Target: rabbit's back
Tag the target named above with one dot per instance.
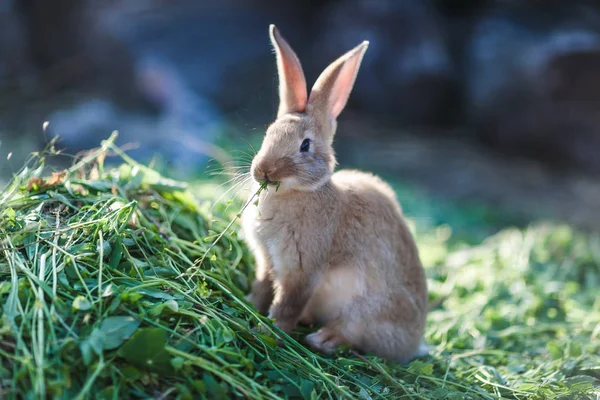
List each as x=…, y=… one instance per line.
x=374, y=238
x=362, y=183
x=375, y=287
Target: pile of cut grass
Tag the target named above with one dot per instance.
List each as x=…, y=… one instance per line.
x=118, y=283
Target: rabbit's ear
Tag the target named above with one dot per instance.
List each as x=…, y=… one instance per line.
x=331, y=91
x=292, y=84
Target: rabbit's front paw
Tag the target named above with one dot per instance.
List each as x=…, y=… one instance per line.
x=261, y=296
x=307, y=318
x=285, y=325
x=325, y=340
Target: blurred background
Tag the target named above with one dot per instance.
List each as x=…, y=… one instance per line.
x=493, y=103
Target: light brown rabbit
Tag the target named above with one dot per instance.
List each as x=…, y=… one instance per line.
x=331, y=248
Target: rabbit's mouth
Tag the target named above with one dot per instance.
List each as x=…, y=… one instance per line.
x=267, y=182
x=270, y=178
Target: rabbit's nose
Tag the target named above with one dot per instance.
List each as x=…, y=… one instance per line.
x=266, y=175
x=269, y=174
x=263, y=172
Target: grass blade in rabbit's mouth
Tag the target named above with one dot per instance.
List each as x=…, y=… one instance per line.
x=264, y=184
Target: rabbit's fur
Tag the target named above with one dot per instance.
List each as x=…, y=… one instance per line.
x=331, y=248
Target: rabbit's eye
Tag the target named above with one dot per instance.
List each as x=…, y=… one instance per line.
x=305, y=146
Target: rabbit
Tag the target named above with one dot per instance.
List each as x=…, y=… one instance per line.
x=331, y=248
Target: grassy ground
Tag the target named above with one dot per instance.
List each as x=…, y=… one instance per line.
x=119, y=283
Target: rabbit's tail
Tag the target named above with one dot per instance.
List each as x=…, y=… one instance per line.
x=422, y=350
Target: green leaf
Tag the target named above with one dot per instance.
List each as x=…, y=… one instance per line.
x=172, y=305
x=106, y=393
x=92, y=345
x=581, y=383
x=108, y=290
x=291, y=391
x=213, y=388
x=454, y=396
x=363, y=395
x=306, y=388
x=61, y=197
x=4, y=287
x=268, y=340
x=111, y=333
x=130, y=373
x=100, y=186
x=157, y=294
x=439, y=393
x=131, y=297
x=116, y=330
x=177, y=362
x=117, y=253
x=528, y=386
x=574, y=349
x=81, y=303
x=159, y=308
x=5, y=373
x=29, y=243
x=228, y=335
x=9, y=214
x=554, y=349
x=421, y=368
x=146, y=350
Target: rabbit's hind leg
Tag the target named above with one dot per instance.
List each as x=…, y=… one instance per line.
x=387, y=333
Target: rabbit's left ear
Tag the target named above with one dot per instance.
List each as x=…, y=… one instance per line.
x=292, y=84
x=330, y=93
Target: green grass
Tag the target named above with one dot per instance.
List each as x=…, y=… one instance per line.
x=120, y=283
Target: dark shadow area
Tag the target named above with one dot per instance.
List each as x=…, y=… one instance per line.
x=479, y=101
